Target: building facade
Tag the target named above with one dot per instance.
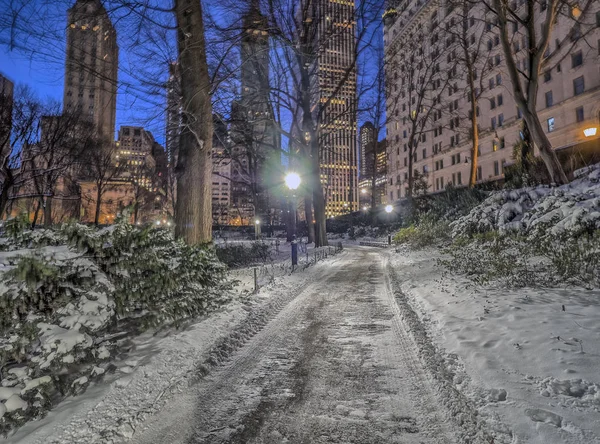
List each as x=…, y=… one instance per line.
x=568, y=99
x=337, y=106
x=91, y=66
x=134, y=154
x=255, y=150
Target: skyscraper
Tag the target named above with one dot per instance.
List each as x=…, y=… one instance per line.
x=91, y=66
x=367, y=144
x=256, y=152
x=336, y=97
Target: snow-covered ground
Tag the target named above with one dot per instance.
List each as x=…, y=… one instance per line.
x=527, y=358
x=157, y=366
x=368, y=346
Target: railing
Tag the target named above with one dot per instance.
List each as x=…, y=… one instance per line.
x=374, y=244
x=252, y=279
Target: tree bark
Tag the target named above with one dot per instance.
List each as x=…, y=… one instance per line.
x=318, y=201
x=48, y=212
x=193, y=209
x=98, y=205
x=475, y=134
x=308, y=214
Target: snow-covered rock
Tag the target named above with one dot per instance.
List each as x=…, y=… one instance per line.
x=570, y=209
x=15, y=403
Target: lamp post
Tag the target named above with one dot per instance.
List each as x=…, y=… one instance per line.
x=389, y=209
x=257, y=229
x=292, y=181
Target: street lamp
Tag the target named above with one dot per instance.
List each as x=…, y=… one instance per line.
x=292, y=181
x=389, y=209
x=256, y=228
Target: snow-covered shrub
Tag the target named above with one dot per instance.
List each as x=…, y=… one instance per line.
x=63, y=291
x=572, y=210
x=55, y=305
x=427, y=233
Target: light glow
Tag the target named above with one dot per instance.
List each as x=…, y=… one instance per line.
x=389, y=208
x=589, y=132
x=292, y=180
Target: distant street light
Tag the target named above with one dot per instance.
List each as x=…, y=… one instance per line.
x=364, y=191
x=292, y=180
x=257, y=222
x=590, y=132
x=389, y=208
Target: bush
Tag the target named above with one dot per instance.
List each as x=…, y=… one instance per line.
x=242, y=255
x=515, y=261
x=428, y=233
x=63, y=291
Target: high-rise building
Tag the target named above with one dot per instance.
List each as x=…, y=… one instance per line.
x=221, y=177
x=567, y=100
x=6, y=106
x=135, y=147
x=91, y=66
x=256, y=155
x=367, y=145
x=335, y=67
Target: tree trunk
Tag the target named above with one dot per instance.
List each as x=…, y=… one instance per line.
x=308, y=214
x=36, y=214
x=318, y=199
x=374, y=172
x=548, y=155
x=193, y=209
x=98, y=205
x=475, y=141
x=48, y=212
x=4, y=196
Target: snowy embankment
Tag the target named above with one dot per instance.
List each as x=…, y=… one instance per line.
x=531, y=356
x=153, y=368
x=570, y=210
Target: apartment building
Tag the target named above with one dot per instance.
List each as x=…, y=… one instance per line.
x=568, y=99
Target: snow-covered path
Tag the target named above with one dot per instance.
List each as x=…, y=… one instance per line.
x=336, y=365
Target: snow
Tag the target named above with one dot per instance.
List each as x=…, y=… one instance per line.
x=15, y=403
x=159, y=365
x=536, y=211
x=516, y=354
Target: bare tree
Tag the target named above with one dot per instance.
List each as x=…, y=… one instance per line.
x=415, y=61
x=526, y=32
x=101, y=166
x=467, y=30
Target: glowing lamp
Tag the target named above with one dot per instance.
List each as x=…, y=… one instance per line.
x=590, y=132
x=389, y=208
x=292, y=181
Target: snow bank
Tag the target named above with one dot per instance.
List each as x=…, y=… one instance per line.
x=570, y=209
x=516, y=354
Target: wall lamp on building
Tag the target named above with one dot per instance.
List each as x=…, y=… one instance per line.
x=590, y=132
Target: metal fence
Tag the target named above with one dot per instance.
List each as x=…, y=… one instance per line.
x=251, y=279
